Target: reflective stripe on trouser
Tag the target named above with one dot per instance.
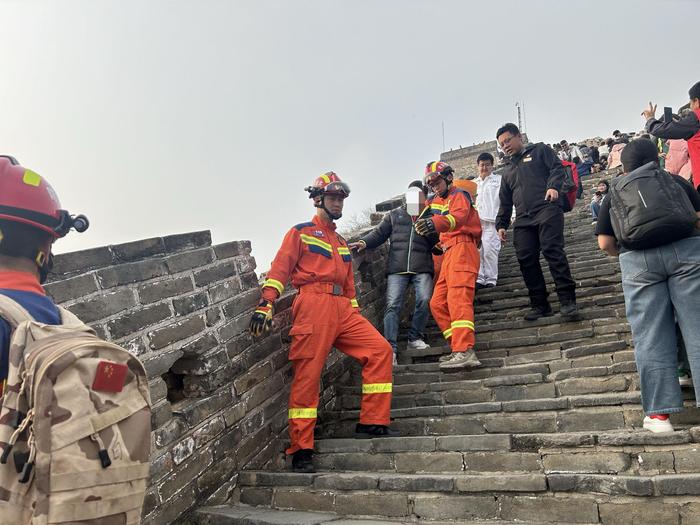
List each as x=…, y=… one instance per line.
x=452, y=303
x=322, y=321
x=490, y=248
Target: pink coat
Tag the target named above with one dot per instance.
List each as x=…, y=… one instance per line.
x=677, y=156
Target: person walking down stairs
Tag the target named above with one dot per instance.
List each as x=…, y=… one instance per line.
x=457, y=222
x=531, y=181
x=326, y=314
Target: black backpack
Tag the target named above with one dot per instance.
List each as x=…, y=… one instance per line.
x=649, y=209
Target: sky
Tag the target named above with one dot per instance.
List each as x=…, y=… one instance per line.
x=168, y=116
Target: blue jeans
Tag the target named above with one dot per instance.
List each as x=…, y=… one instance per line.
x=396, y=285
x=658, y=282
x=595, y=210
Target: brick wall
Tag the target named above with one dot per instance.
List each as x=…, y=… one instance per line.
x=219, y=396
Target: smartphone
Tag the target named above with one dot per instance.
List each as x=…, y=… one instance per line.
x=668, y=114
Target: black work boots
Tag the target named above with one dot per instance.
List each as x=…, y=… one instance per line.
x=374, y=431
x=568, y=311
x=302, y=461
x=538, y=310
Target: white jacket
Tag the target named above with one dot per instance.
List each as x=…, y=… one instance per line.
x=487, y=201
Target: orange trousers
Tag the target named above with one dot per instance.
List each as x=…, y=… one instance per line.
x=452, y=303
x=321, y=321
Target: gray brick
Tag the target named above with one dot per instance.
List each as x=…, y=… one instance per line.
x=474, y=443
x=303, y=500
x=134, y=321
x=217, y=272
x=578, y=420
x=638, y=513
x=137, y=250
x=187, y=241
x=416, y=483
x=354, y=461
x=591, y=462
x=188, y=260
x=67, y=289
x=601, y=483
x=158, y=363
x=225, y=290
x=178, y=331
x=502, y=483
x=520, y=423
x=131, y=273
x=372, y=504
x=455, y=507
x=592, y=385
x=83, y=260
x=232, y=249
x=106, y=305
x=191, y=303
x=538, y=508
x=501, y=462
x=429, y=462
x=346, y=481
x=152, y=292
x=405, y=444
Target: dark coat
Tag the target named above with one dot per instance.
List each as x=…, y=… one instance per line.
x=525, y=179
x=408, y=251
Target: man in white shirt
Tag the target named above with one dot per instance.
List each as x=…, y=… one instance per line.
x=488, y=185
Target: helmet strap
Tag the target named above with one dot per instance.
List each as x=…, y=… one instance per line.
x=321, y=203
x=448, y=183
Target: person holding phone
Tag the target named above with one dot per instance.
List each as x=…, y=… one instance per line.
x=531, y=181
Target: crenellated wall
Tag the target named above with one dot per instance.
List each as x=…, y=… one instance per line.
x=219, y=396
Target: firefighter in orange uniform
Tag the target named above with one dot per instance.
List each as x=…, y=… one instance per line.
x=457, y=222
x=325, y=314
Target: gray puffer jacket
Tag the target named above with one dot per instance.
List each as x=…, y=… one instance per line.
x=408, y=251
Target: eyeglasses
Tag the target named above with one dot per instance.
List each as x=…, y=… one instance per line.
x=506, y=141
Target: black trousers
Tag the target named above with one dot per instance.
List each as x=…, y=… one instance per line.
x=544, y=233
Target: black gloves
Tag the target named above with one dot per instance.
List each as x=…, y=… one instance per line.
x=425, y=227
x=437, y=249
x=261, y=322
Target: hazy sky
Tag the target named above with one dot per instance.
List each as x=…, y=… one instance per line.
x=156, y=117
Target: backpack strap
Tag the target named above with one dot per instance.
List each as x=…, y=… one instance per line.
x=12, y=312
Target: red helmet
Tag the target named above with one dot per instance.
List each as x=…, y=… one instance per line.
x=436, y=169
x=328, y=184
x=28, y=198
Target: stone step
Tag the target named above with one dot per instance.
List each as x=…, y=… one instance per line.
x=600, y=412
x=246, y=515
x=460, y=507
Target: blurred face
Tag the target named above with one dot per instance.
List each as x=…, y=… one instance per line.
x=602, y=188
x=695, y=104
x=485, y=168
x=509, y=143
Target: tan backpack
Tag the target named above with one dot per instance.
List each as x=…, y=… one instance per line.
x=75, y=426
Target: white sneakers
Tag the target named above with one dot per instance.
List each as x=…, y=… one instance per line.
x=418, y=344
x=657, y=425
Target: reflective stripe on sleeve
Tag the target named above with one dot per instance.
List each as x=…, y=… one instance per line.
x=376, y=388
x=274, y=283
x=452, y=221
x=302, y=413
x=447, y=333
x=354, y=303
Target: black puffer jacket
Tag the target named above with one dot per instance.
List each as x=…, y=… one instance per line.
x=525, y=179
x=408, y=252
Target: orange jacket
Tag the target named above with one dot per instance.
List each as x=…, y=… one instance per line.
x=454, y=217
x=311, y=252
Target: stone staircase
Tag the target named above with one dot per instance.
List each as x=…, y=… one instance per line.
x=547, y=431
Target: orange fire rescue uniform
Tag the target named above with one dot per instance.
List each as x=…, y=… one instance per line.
x=452, y=303
x=326, y=314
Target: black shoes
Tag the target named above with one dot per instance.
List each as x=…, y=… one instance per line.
x=302, y=461
x=537, y=311
x=569, y=312
x=374, y=431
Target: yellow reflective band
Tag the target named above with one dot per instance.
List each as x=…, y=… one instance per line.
x=354, y=303
x=376, y=388
x=326, y=178
x=31, y=179
x=452, y=221
x=343, y=251
x=302, y=413
x=274, y=283
x=447, y=333
x=308, y=239
x=439, y=207
x=463, y=323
